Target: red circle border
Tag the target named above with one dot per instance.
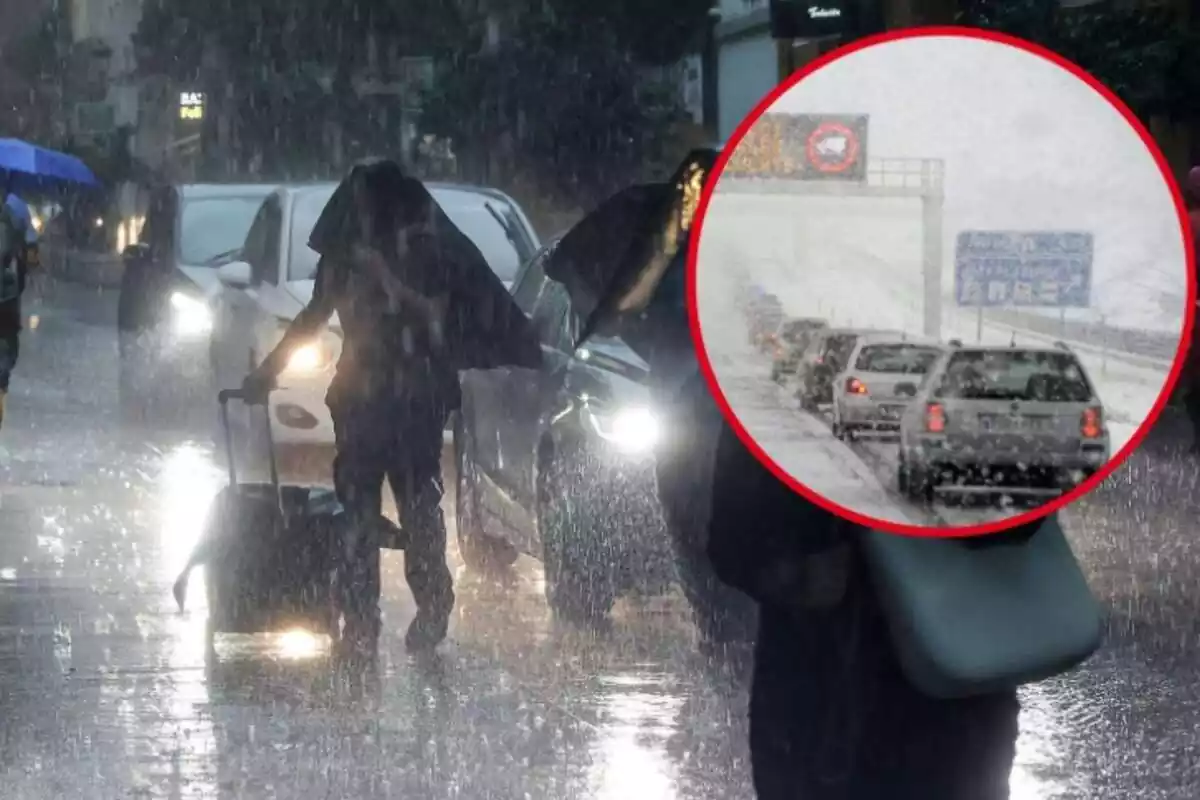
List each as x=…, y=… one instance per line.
x=706, y=368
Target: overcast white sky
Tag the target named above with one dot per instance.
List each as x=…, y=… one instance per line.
x=1026, y=144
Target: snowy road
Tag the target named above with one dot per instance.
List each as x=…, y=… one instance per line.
x=857, y=263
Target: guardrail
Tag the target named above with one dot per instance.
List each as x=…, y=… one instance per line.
x=1109, y=353
x=1152, y=345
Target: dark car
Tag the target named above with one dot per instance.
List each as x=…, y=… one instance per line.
x=558, y=463
x=764, y=316
x=790, y=342
x=825, y=357
x=163, y=312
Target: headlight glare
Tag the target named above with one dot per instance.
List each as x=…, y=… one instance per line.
x=191, y=315
x=632, y=429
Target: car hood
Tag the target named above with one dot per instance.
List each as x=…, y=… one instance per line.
x=205, y=278
x=302, y=292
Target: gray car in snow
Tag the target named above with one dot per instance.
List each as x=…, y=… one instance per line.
x=1012, y=420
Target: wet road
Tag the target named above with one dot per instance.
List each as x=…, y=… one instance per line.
x=104, y=691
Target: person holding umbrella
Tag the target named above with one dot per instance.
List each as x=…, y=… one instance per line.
x=23, y=165
x=417, y=303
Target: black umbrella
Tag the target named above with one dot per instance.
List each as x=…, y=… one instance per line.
x=587, y=257
x=486, y=327
x=647, y=250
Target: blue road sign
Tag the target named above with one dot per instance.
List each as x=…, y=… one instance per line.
x=1050, y=269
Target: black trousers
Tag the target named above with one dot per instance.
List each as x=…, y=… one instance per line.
x=10, y=349
x=402, y=443
x=826, y=728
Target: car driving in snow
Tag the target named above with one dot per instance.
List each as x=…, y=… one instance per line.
x=764, y=317
x=558, y=463
x=272, y=280
x=864, y=392
x=789, y=343
x=825, y=357
x=1016, y=420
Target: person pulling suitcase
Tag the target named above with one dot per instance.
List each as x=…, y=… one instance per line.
x=417, y=303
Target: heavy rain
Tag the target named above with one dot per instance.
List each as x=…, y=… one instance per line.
x=166, y=164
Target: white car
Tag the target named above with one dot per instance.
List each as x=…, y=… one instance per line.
x=865, y=395
x=273, y=281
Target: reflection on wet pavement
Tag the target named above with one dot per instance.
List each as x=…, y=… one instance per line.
x=106, y=691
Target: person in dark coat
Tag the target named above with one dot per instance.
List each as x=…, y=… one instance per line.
x=417, y=303
x=831, y=714
x=832, y=717
x=18, y=255
x=1191, y=372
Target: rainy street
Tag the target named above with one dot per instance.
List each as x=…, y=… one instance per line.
x=104, y=692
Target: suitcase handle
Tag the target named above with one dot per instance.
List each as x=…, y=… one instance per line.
x=223, y=398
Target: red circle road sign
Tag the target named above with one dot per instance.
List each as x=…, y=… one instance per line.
x=822, y=152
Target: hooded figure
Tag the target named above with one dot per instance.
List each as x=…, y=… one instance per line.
x=831, y=714
x=609, y=273
x=417, y=303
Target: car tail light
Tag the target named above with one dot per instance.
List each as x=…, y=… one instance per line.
x=855, y=386
x=1091, y=423
x=935, y=418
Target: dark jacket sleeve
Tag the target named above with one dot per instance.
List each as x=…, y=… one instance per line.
x=769, y=541
x=327, y=285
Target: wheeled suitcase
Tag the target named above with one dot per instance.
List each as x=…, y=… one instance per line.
x=272, y=550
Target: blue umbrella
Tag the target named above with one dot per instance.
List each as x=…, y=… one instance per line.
x=24, y=166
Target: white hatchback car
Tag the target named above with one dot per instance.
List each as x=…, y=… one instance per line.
x=273, y=281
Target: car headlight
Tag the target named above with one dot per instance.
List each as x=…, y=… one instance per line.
x=190, y=316
x=632, y=429
x=312, y=357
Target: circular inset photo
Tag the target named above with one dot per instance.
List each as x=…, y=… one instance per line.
x=941, y=282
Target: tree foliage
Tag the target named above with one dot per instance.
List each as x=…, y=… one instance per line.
x=1144, y=53
x=565, y=105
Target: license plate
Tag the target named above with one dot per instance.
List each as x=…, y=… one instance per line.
x=891, y=412
x=1005, y=424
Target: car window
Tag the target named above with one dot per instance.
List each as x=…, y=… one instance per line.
x=261, y=250
x=504, y=242
x=302, y=259
x=211, y=227
x=907, y=359
x=1034, y=375
x=837, y=349
x=529, y=283
x=160, y=222
x=550, y=315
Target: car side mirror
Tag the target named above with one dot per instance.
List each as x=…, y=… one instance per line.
x=905, y=389
x=136, y=251
x=236, y=274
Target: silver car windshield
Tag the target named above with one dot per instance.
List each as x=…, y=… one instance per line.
x=468, y=210
x=906, y=359
x=1014, y=375
x=213, y=226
